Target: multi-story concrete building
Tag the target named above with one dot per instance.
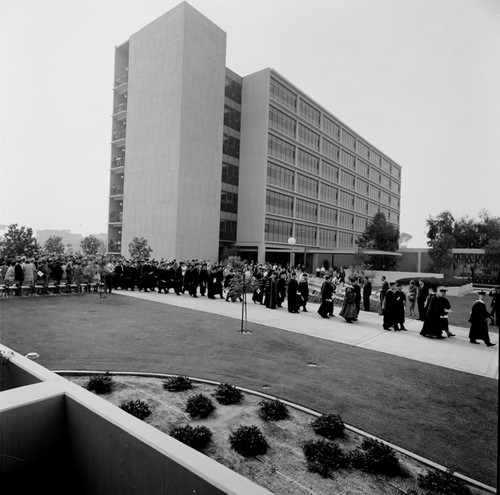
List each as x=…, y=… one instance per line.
x=203, y=158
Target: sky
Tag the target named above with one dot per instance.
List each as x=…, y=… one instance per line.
x=418, y=79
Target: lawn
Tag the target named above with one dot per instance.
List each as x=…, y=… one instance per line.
x=447, y=416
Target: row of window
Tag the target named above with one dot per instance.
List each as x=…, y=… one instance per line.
x=308, y=112
x=229, y=201
x=233, y=90
x=232, y=118
x=285, y=151
x=280, y=231
x=284, y=178
x=282, y=204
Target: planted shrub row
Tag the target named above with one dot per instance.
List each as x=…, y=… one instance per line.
x=137, y=408
x=101, y=383
x=322, y=456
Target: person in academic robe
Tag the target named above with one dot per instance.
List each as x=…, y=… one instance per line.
x=389, y=308
x=294, y=299
x=432, y=322
x=444, y=310
x=383, y=291
x=281, y=287
x=271, y=291
x=258, y=292
x=325, y=309
x=422, y=294
x=203, y=279
x=304, y=289
x=357, y=295
x=399, y=308
x=367, y=292
x=479, y=319
x=349, y=309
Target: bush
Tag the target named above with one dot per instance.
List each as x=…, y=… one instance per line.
x=199, y=405
x=273, y=410
x=323, y=457
x=329, y=426
x=100, y=384
x=375, y=457
x=197, y=438
x=137, y=408
x=248, y=441
x=441, y=282
x=228, y=394
x=177, y=383
x=439, y=483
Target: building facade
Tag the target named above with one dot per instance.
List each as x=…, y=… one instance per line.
x=203, y=158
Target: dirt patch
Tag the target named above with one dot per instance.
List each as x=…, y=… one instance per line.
x=283, y=469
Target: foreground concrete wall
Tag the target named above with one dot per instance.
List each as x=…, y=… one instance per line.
x=31, y=426
x=66, y=428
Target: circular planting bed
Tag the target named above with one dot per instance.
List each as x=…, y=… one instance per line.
x=340, y=465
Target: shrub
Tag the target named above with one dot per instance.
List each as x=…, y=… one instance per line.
x=375, y=457
x=177, y=383
x=329, y=426
x=137, y=408
x=197, y=438
x=441, y=282
x=273, y=410
x=100, y=384
x=323, y=457
x=248, y=441
x=228, y=394
x=199, y=405
x=439, y=483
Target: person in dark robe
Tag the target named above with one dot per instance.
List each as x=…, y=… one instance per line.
x=325, y=309
x=383, y=291
x=495, y=306
x=191, y=279
x=258, y=292
x=153, y=276
x=389, y=307
x=162, y=277
x=203, y=279
x=432, y=323
x=422, y=294
x=271, y=292
x=349, y=309
x=304, y=289
x=170, y=274
x=179, y=280
x=294, y=299
x=117, y=275
x=444, y=311
x=357, y=295
x=399, y=308
x=479, y=318
x=367, y=292
x=281, y=287
x=212, y=281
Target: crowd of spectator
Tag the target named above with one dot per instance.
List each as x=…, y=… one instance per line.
x=270, y=284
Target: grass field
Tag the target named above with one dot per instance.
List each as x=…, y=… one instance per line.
x=447, y=416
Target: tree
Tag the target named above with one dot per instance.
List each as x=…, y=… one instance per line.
x=404, y=238
x=441, y=240
x=488, y=228
x=53, y=245
x=139, y=248
x=91, y=245
x=19, y=242
x=380, y=235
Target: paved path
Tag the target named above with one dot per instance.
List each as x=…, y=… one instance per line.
x=456, y=352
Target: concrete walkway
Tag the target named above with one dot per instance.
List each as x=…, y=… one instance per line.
x=455, y=352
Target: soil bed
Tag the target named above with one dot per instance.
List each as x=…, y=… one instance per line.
x=283, y=469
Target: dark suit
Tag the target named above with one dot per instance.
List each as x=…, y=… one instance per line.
x=367, y=291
